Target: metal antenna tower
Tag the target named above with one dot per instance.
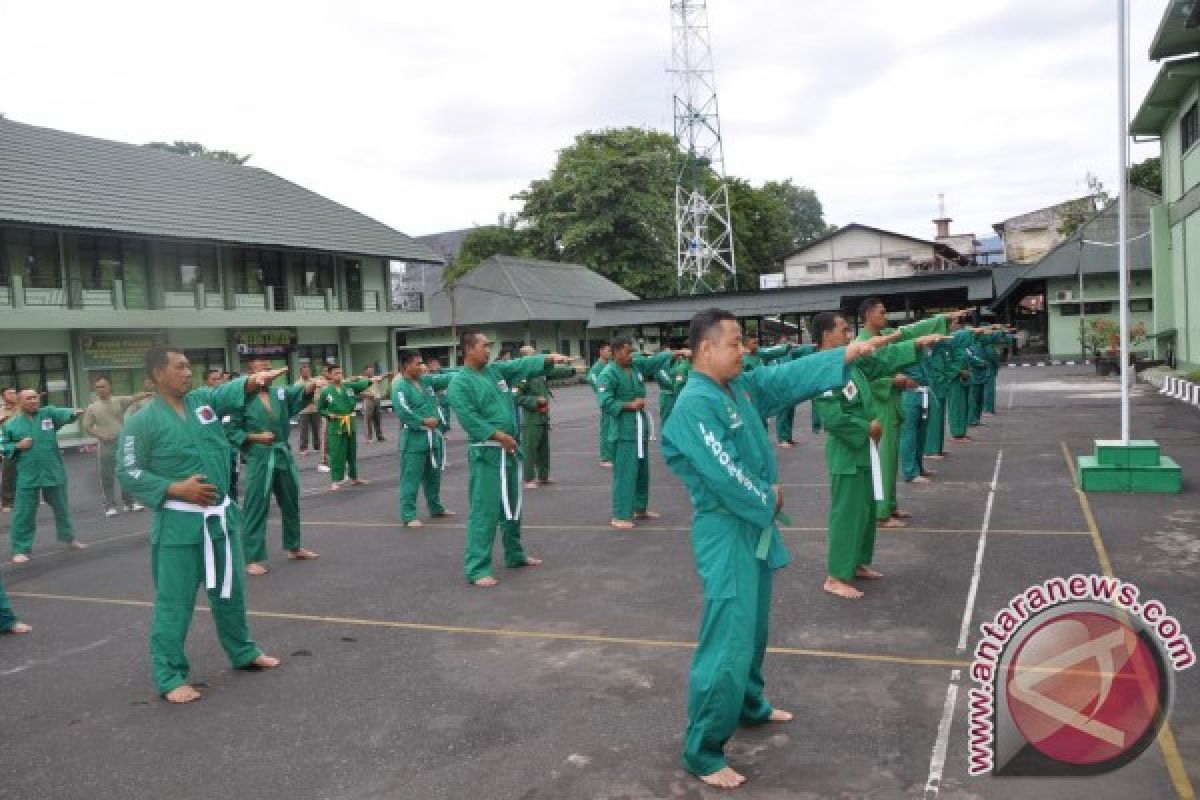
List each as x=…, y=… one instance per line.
x=703, y=227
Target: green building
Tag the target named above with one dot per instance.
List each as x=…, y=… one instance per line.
x=1169, y=114
x=107, y=248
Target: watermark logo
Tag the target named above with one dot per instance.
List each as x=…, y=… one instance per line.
x=1072, y=677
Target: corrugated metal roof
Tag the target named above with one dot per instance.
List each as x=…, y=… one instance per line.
x=1174, y=80
x=510, y=289
x=61, y=179
x=804, y=299
x=1174, y=37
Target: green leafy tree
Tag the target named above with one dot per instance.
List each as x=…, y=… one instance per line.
x=197, y=150
x=806, y=217
x=1147, y=175
x=486, y=241
x=762, y=230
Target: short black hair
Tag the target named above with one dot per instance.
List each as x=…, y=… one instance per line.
x=156, y=358
x=333, y=366
x=211, y=370
x=620, y=341
x=821, y=324
x=469, y=338
x=99, y=378
x=407, y=356
x=704, y=324
x=433, y=360
x=866, y=305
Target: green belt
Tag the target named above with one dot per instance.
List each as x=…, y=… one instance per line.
x=764, y=538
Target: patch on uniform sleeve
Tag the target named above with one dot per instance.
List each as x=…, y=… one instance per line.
x=601, y=388
x=206, y=415
x=503, y=384
x=47, y=424
x=280, y=393
x=827, y=393
x=850, y=390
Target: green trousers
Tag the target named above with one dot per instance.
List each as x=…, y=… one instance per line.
x=726, y=685
x=264, y=480
x=24, y=522
x=974, y=404
x=989, y=394
x=666, y=404
x=178, y=573
x=343, y=453
x=935, y=426
x=417, y=470
x=956, y=409
x=106, y=466
x=785, y=423
x=630, y=480
x=7, y=617
x=607, y=445
x=889, y=459
x=536, y=444
x=851, y=524
x=487, y=510
x=912, y=436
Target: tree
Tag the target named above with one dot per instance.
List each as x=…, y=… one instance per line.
x=197, y=150
x=762, y=230
x=1147, y=175
x=806, y=217
x=504, y=239
x=609, y=203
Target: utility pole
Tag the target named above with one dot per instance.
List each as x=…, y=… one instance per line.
x=703, y=227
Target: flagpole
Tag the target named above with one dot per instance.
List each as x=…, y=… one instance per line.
x=1123, y=205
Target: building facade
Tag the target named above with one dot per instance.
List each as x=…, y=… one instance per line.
x=863, y=253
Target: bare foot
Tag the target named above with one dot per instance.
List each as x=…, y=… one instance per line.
x=898, y=514
x=620, y=524
x=647, y=515
x=935, y=456
x=530, y=561
x=920, y=479
x=531, y=484
x=842, y=589
x=486, y=583
x=779, y=715
x=262, y=661
x=414, y=523
x=18, y=628
x=20, y=558
x=867, y=573
x=254, y=568
x=182, y=694
x=303, y=554
x=359, y=481
x=547, y=481
x=786, y=444
x=893, y=522
x=724, y=778
x=335, y=487
x=75, y=544
x=606, y=464
x=441, y=514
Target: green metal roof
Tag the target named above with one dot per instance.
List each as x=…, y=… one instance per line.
x=61, y=179
x=509, y=289
x=1177, y=32
x=1174, y=80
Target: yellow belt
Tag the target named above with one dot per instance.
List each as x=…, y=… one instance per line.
x=345, y=423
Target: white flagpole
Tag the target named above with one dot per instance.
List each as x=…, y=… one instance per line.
x=1123, y=209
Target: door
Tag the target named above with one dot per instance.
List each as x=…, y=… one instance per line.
x=354, y=290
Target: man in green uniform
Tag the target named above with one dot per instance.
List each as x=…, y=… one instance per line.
x=481, y=397
x=622, y=392
x=422, y=427
x=785, y=421
x=978, y=366
x=174, y=458
x=8, y=618
x=850, y=417
x=434, y=368
x=756, y=356
x=31, y=439
x=103, y=420
x=913, y=433
x=993, y=342
x=714, y=443
x=533, y=397
x=8, y=477
x=886, y=392
x=957, y=410
x=606, y=441
x=336, y=404
x=270, y=469
x=941, y=373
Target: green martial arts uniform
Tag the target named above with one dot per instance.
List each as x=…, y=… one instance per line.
x=8, y=617
x=190, y=545
x=39, y=472
x=991, y=353
x=956, y=395
x=422, y=449
x=270, y=469
x=916, y=419
x=785, y=421
x=482, y=401
x=890, y=412
x=442, y=403
x=940, y=369
x=336, y=405
x=846, y=414
x=666, y=393
x=535, y=431
x=630, y=431
x=606, y=442
x=715, y=445
x=979, y=369
x=762, y=357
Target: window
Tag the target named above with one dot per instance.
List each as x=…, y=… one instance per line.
x=33, y=255
x=317, y=355
x=1142, y=304
x=815, y=269
x=1092, y=309
x=312, y=273
x=856, y=265
x=255, y=270
x=46, y=373
x=899, y=261
x=1189, y=130
x=184, y=265
x=104, y=259
x=1069, y=309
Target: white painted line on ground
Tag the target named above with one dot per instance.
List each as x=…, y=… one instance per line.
x=38, y=662
x=937, y=761
x=969, y=610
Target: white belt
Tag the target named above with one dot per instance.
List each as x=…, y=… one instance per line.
x=641, y=449
x=876, y=471
x=210, y=565
x=433, y=450
x=650, y=422
x=924, y=390
x=509, y=514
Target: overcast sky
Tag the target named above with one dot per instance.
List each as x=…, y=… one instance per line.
x=430, y=115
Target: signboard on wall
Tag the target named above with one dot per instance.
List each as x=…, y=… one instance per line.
x=267, y=342
x=116, y=349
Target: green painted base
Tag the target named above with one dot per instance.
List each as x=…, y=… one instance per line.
x=1136, y=467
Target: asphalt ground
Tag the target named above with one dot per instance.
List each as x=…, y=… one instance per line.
x=569, y=679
